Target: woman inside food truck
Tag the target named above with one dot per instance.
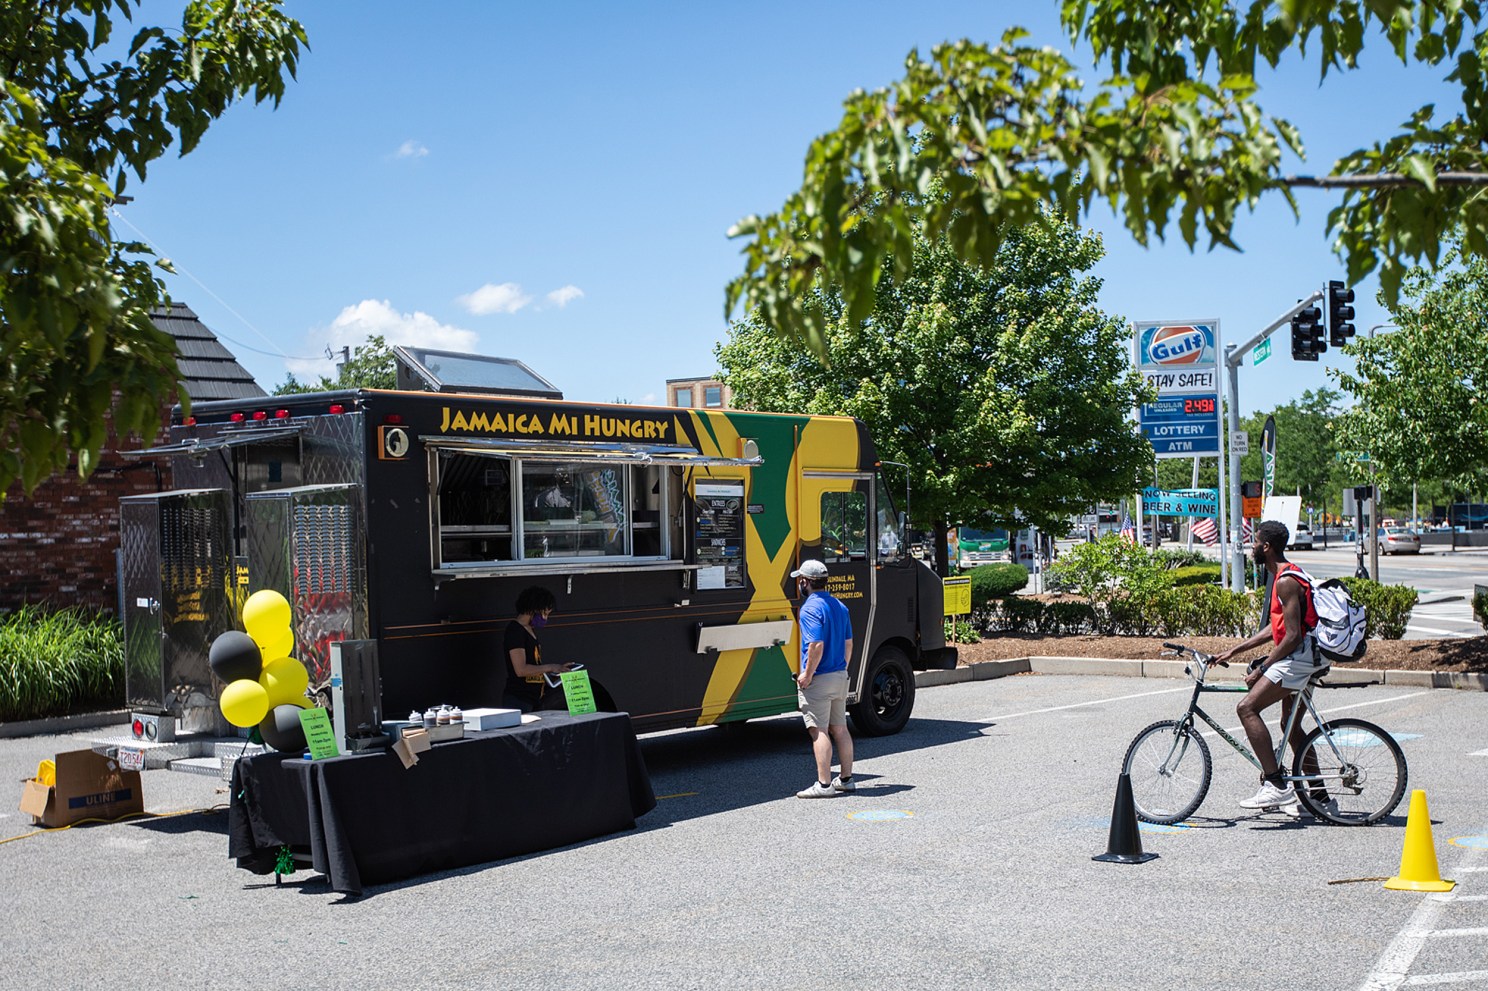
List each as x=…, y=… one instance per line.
x=522, y=652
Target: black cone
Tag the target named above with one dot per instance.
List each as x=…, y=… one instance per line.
x=1124, y=845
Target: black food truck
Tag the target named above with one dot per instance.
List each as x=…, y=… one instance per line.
x=413, y=518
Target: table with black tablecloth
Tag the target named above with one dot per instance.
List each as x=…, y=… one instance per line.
x=365, y=819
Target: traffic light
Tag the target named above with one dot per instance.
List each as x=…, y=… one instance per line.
x=1307, y=335
x=1340, y=313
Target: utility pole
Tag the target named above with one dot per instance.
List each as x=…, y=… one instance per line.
x=1374, y=494
x=1234, y=357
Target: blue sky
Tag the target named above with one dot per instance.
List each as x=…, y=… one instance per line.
x=554, y=182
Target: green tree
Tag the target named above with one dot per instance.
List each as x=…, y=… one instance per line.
x=1006, y=391
x=1173, y=133
x=1418, y=391
x=1306, y=461
x=370, y=366
x=79, y=114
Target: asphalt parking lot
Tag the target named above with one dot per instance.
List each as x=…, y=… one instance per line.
x=963, y=861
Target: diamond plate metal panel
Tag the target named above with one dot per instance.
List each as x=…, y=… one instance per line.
x=306, y=544
x=335, y=450
x=178, y=575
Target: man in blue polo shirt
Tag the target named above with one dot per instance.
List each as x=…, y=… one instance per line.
x=826, y=646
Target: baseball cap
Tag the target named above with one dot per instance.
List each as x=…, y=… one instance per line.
x=810, y=569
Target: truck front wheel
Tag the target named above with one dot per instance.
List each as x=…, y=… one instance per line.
x=888, y=694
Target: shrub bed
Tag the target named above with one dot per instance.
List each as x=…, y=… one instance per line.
x=1387, y=607
x=55, y=663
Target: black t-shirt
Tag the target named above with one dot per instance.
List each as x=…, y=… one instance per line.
x=517, y=638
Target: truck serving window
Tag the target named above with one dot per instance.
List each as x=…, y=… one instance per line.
x=496, y=509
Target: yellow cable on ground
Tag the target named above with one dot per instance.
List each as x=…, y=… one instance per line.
x=130, y=815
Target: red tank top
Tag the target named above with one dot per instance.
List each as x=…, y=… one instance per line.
x=1278, y=621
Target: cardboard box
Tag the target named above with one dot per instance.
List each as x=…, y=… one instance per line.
x=89, y=786
x=412, y=742
x=479, y=719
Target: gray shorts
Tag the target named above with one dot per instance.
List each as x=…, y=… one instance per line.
x=1297, y=668
x=824, y=701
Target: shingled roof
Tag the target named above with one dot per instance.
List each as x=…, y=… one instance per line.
x=208, y=369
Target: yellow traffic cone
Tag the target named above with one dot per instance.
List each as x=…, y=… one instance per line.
x=1418, y=869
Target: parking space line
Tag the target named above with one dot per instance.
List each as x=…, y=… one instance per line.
x=1461, y=977
x=1438, y=631
x=1392, y=968
x=1275, y=724
x=1077, y=705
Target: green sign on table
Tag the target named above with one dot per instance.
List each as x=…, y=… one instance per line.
x=320, y=737
x=1262, y=352
x=576, y=689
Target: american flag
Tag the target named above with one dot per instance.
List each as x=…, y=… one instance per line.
x=1128, y=529
x=1206, y=530
x=1247, y=530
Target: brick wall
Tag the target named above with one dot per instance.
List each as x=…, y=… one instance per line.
x=57, y=545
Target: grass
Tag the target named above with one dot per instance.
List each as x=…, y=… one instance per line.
x=57, y=662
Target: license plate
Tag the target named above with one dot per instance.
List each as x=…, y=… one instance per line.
x=132, y=758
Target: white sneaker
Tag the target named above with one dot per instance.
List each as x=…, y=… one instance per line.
x=1330, y=807
x=839, y=785
x=1270, y=796
x=817, y=790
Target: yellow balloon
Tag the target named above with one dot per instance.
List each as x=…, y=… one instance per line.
x=284, y=679
x=265, y=615
x=244, y=702
x=274, y=644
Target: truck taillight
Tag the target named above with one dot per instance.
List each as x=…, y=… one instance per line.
x=336, y=408
x=237, y=418
x=281, y=414
x=190, y=421
x=260, y=414
x=393, y=419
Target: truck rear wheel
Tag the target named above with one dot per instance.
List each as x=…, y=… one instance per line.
x=888, y=694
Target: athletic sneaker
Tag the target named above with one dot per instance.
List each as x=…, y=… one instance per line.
x=1330, y=806
x=817, y=790
x=1269, y=796
x=839, y=785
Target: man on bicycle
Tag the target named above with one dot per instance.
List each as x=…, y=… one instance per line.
x=1292, y=662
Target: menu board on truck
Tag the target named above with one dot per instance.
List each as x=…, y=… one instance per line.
x=719, y=534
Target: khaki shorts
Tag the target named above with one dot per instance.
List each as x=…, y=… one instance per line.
x=824, y=701
x=1297, y=668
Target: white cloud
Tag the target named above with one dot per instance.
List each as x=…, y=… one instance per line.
x=354, y=324
x=411, y=149
x=489, y=298
x=567, y=294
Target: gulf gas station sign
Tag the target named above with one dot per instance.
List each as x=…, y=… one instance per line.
x=1182, y=361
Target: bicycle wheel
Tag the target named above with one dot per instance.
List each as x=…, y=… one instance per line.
x=1361, y=783
x=1169, y=767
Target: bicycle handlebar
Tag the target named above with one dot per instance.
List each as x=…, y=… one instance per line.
x=1197, y=655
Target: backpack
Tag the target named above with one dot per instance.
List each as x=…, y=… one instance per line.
x=1339, y=633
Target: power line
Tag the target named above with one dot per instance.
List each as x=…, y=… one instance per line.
x=223, y=303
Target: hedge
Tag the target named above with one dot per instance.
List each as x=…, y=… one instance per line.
x=995, y=581
x=55, y=663
x=1387, y=607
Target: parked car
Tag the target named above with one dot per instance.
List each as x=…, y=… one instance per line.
x=1398, y=540
x=1301, y=539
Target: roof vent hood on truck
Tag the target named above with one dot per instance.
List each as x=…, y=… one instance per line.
x=426, y=370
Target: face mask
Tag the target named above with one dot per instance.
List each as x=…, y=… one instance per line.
x=539, y=621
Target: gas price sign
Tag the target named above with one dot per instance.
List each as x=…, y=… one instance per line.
x=1182, y=426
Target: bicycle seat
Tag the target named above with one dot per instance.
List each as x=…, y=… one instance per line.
x=1318, y=676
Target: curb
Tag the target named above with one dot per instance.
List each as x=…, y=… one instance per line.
x=63, y=724
x=1463, y=680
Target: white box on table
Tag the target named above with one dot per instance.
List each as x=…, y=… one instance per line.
x=480, y=719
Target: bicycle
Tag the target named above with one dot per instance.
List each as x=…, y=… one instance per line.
x=1348, y=772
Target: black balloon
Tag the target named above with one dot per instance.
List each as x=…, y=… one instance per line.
x=234, y=655
x=282, y=729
